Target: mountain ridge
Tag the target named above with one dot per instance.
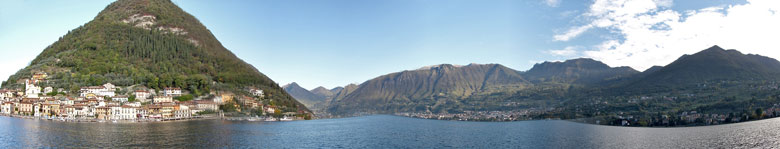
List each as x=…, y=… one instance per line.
x=303, y=95
x=714, y=63
x=445, y=80
x=546, y=84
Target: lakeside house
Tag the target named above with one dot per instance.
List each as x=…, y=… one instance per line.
x=269, y=109
x=123, y=113
x=207, y=105
x=6, y=107
x=25, y=108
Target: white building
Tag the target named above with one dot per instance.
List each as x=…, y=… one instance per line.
x=162, y=99
x=36, y=109
x=206, y=105
x=97, y=91
x=142, y=95
x=48, y=90
x=183, y=112
x=66, y=101
x=120, y=98
x=109, y=86
x=133, y=104
x=6, y=107
x=270, y=109
x=257, y=92
x=123, y=113
x=31, y=90
x=172, y=91
x=6, y=95
x=78, y=110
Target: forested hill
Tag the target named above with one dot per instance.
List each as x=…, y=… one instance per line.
x=147, y=42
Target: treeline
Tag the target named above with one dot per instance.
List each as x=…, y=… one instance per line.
x=105, y=52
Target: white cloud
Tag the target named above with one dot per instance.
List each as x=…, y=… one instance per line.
x=568, y=51
x=651, y=34
x=569, y=13
x=664, y=3
x=552, y=3
x=573, y=32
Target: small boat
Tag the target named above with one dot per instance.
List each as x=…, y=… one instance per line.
x=270, y=119
x=286, y=118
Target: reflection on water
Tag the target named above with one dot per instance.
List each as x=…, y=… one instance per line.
x=379, y=131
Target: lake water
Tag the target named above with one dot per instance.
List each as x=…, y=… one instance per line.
x=380, y=131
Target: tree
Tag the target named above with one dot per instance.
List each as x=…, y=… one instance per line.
x=228, y=107
x=180, y=81
x=166, y=81
x=277, y=112
x=259, y=111
x=154, y=83
x=186, y=97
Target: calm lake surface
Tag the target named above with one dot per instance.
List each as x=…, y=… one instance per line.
x=380, y=131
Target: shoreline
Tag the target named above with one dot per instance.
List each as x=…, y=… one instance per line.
x=578, y=120
x=110, y=121
x=249, y=119
x=476, y=120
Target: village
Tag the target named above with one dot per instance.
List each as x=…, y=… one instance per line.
x=514, y=115
x=104, y=103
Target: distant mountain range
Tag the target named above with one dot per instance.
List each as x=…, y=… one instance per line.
x=317, y=97
x=450, y=88
x=301, y=94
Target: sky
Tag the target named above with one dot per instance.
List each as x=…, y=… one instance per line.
x=337, y=42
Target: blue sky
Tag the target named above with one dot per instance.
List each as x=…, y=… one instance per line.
x=336, y=42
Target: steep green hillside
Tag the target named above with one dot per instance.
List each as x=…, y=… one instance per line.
x=147, y=42
x=711, y=82
x=343, y=92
